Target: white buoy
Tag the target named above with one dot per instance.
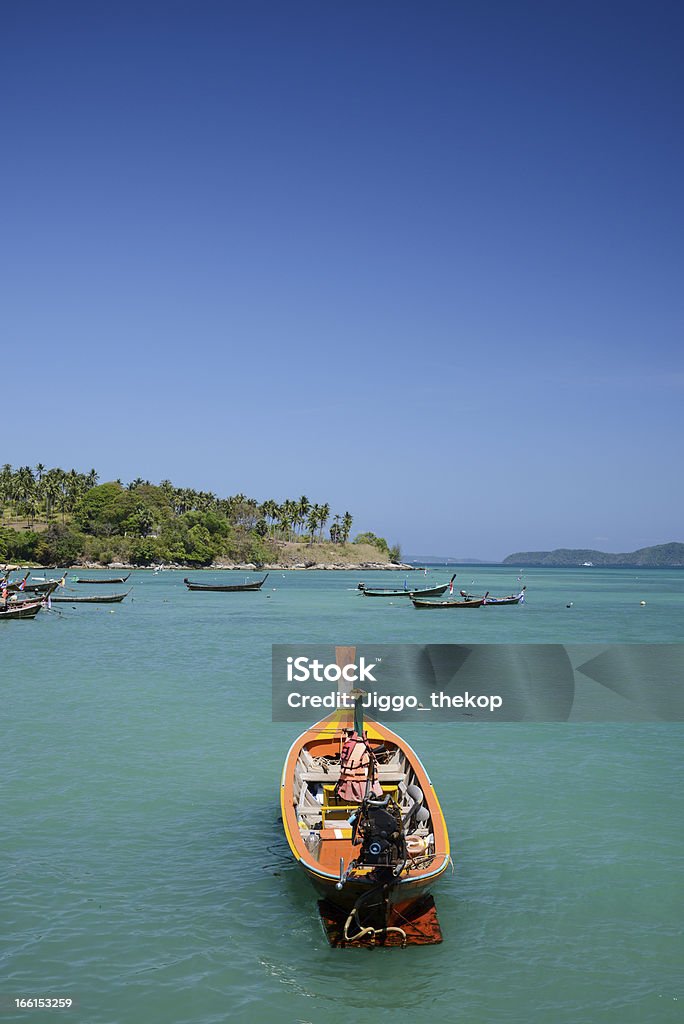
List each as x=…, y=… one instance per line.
x=642, y=603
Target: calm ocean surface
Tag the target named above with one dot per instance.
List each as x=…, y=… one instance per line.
x=144, y=871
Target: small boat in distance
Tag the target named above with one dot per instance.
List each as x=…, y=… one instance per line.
x=42, y=586
x=518, y=598
x=231, y=588
x=92, y=598
x=112, y=579
x=362, y=819
x=477, y=602
x=424, y=592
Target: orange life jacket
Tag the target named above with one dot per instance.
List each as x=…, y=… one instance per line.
x=356, y=764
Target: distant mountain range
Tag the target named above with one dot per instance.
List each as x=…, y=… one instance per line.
x=662, y=556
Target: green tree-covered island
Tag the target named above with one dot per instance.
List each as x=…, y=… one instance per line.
x=660, y=556
x=54, y=517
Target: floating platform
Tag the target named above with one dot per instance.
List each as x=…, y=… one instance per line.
x=419, y=924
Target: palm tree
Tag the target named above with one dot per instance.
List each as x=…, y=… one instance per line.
x=25, y=491
x=303, y=506
x=269, y=511
x=50, y=492
x=75, y=489
x=287, y=517
x=323, y=516
x=312, y=521
x=6, y=486
x=347, y=521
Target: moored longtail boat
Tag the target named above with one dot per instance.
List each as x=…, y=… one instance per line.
x=112, y=579
x=518, y=598
x=425, y=592
x=20, y=610
x=44, y=586
x=474, y=603
x=363, y=820
x=92, y=598
x=228, y=588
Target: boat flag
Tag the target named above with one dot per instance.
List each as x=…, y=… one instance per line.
x=22, y=584
x=405, y=584
x=451, y=587
x=522, y=597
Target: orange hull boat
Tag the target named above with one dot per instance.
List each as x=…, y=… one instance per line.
x=375, y=860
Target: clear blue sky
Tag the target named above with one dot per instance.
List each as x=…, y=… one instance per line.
x=420, y=260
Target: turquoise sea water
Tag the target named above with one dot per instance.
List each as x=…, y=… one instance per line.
x=144, y=871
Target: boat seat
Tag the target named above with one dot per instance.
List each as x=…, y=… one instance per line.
x=307, y=812
x=389, y=775
x=335, y=810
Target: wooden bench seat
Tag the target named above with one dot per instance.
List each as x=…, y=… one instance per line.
x=391, y=774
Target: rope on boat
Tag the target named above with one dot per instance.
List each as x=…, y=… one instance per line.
x=323, y=762
x=368, y=930
x=426, y=860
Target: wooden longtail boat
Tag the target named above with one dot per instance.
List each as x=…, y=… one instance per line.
x=425, y=592
x=231, y=588
x=113, y=579
x=18, y=600
x=92, y=598
x=44, y=586
x=475, y=603
x=21, y=610
x=371, y=838
x=511, y=599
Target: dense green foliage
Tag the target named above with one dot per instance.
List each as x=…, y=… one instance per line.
x=659, y=556
x=369, y=538
x=393, y=553
x=69, y=517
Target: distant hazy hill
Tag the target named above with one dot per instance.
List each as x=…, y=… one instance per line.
x=662, y=556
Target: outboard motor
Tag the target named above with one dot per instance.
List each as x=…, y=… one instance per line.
x=382, y=834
